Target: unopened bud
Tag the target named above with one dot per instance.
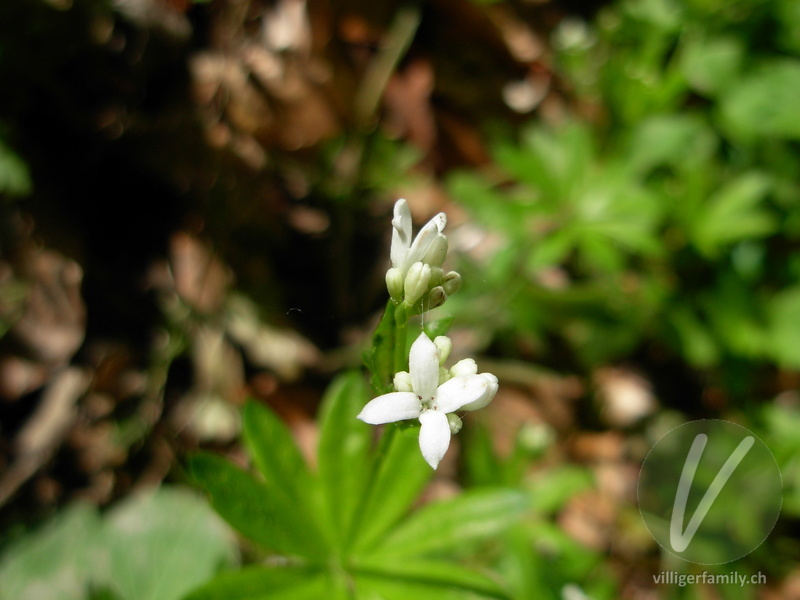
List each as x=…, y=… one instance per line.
x=416, y=283
x=535, y=437
x=436, y=252
x=486, y=397
x=437, y=277
x=394, y=283
x=455, y=423
x=451, y=283
x=402, y=382
x=464, y=367
x=436, y=297
x=444, y=346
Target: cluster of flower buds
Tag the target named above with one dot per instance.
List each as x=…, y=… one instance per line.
x=416, y=278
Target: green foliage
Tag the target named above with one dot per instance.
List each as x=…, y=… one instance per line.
x=14, y=176
x=762, y=102
x=156, y=547
x=670, y=223
x=38, y=559
x=339, y=532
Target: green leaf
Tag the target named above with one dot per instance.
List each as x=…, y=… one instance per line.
x=379, y=359
x=552, y=250
x=734, y=213
x=764, y=102
x=784, y=327
x=56, y=561
x=599, y=252
x=735, y=314
x=449, y=524
x=161, y=545
x=522, y=568
x=278, y=458
x=787, y=18
x=399, y=479
x=487, y=205
x=711, y=66
x=483, y=466
x=555, y=487
x=406, y=579
x=261, y=583
x=434, y=329
x=14, y=176
x=253, y=510
x=697, y=343
x=671, y=140
x=345, y=458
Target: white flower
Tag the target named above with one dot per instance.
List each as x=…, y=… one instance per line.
x=429, y=247
x=428, y=401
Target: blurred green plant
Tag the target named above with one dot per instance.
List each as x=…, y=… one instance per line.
x=156, y=546
x=670, y=222
x=14, y=176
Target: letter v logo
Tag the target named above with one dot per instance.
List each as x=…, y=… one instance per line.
x=680, y=539
x=709, y=491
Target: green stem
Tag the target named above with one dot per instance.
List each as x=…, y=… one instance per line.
x=380, y=70
x=400, y=348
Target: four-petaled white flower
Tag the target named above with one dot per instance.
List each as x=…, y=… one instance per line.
x=430, y=402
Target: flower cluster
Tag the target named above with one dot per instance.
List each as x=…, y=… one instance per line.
x=432, y=394
x=416, y=276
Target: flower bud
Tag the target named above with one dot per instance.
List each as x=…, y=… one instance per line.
x=437, y=277
x=444, y=375
x=416, y=283
x=437, y=297
x=491, y=390
x=436, y=252
x=444, y=346
x=535, y=438
x=455, y=423
x=451, y=283
x=394, y=283
x=464, y=367
x=402, y=382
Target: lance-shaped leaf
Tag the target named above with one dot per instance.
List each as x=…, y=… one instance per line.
x=400, y=476
x=449, y=524
x=401, y=580
x=345, y=459
x=275, y=453
x=254, y=510
x=264, y=583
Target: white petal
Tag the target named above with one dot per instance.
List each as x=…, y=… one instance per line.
x=425, y=238
x=434, y=436
x=424, y=366
x=401, y=234
x=487, y=396
x=464, y=367
x=436, y=252
x=397, y=406
x=458, y=391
